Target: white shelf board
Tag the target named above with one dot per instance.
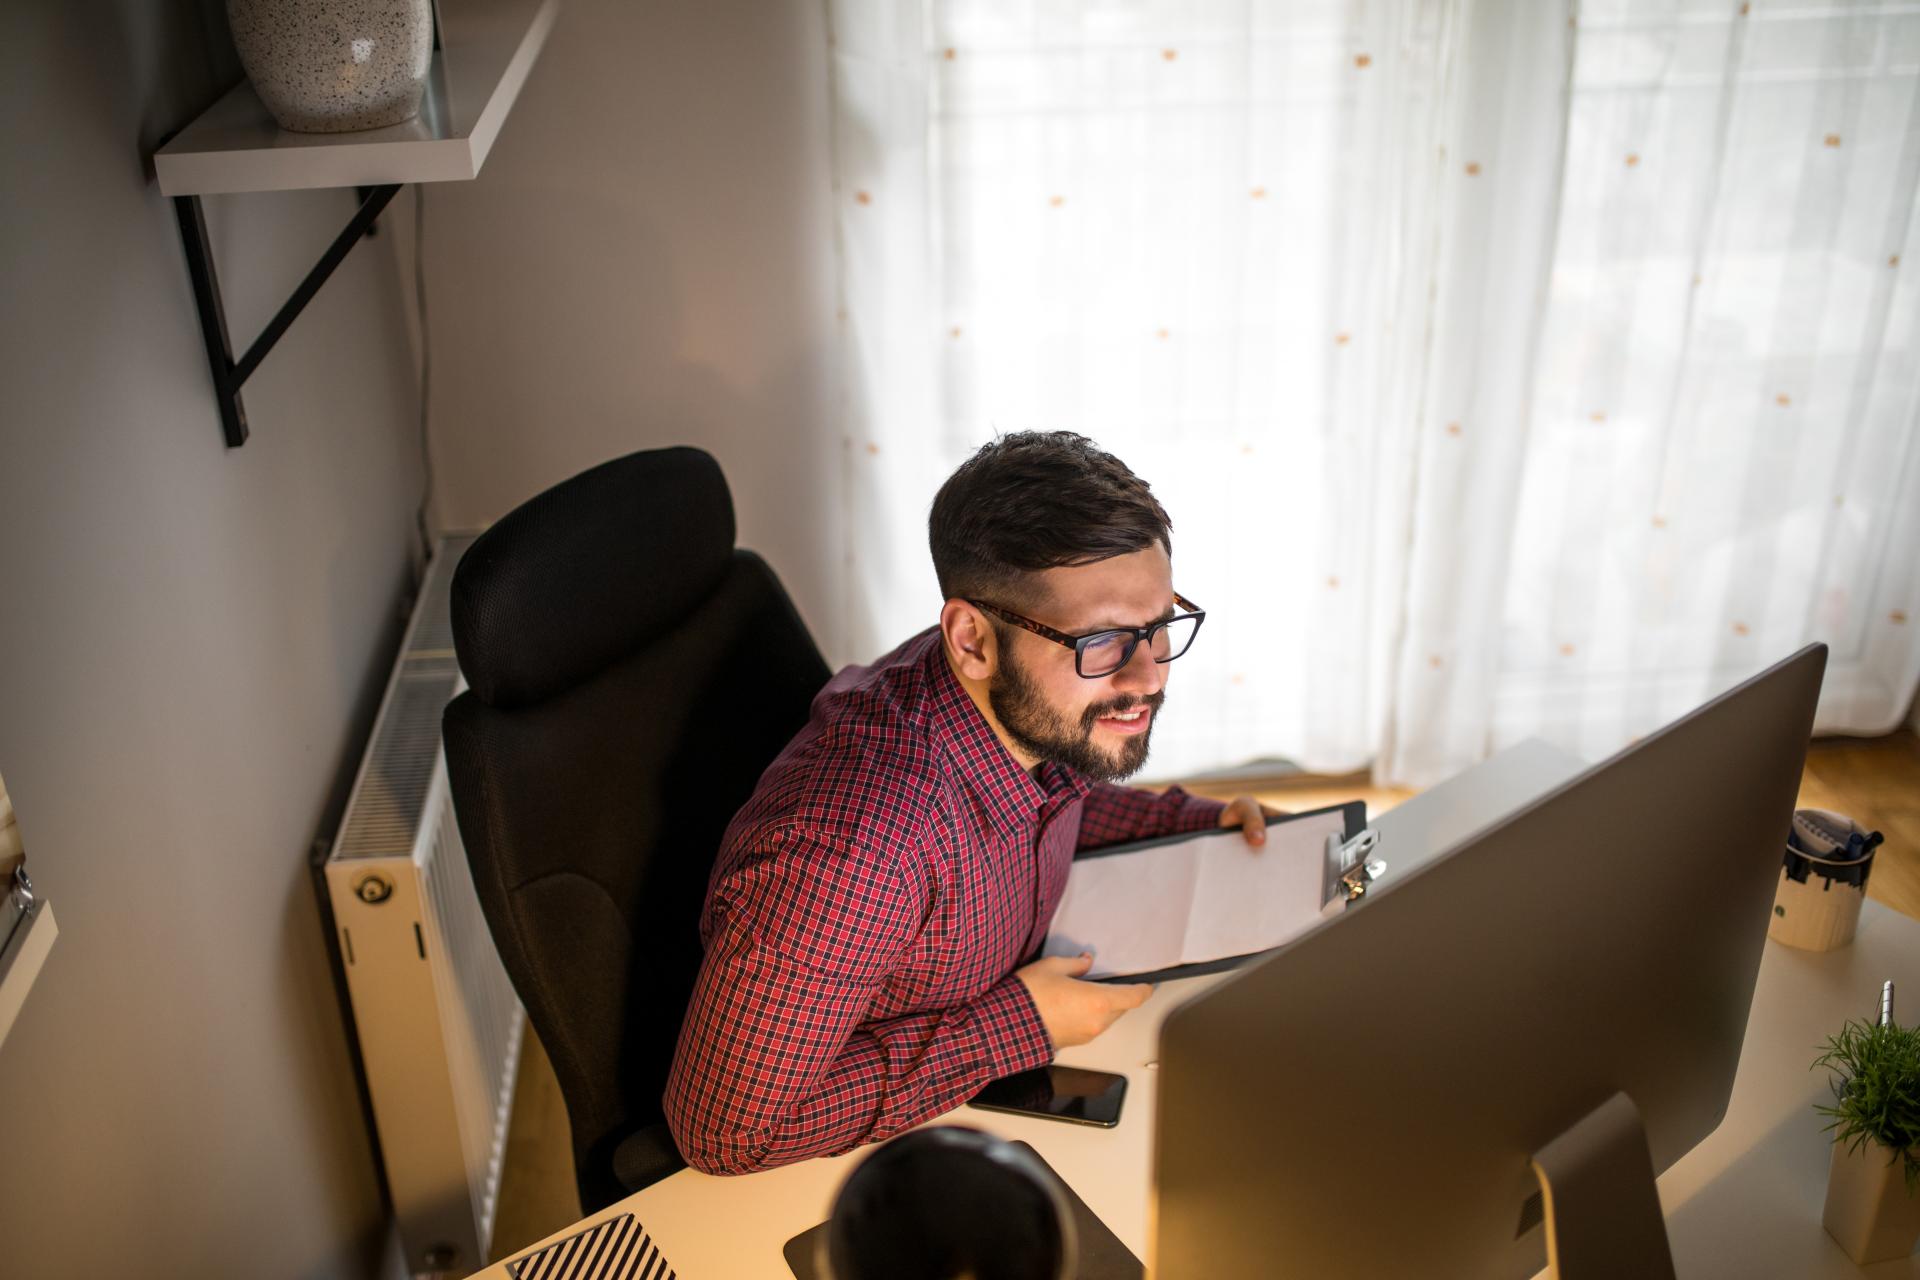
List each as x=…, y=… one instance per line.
x=487, y=49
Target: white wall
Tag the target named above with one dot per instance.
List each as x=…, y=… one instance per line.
x=648, y=260
x=192, y=639
x=191, y=642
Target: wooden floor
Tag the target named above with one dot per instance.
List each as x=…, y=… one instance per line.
x=1875, y=781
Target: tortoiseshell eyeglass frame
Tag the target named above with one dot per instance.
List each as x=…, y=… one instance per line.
x=1079, y=644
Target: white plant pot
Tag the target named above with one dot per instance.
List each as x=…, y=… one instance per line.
x=1869, y=1210
x=329, y=66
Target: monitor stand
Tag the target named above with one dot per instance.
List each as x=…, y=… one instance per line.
x=1602, y=1211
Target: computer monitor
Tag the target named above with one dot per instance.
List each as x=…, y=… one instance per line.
x=1372, y=1099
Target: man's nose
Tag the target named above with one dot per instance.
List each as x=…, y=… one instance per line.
x=1142, y=675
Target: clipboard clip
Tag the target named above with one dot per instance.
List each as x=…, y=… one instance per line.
x=1358, y=870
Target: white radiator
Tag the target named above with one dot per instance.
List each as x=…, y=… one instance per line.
x=438, y=1022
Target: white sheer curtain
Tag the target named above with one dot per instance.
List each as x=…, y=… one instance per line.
x=1722, y=462
x=1291, y=261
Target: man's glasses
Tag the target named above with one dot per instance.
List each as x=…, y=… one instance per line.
x=1101, y=653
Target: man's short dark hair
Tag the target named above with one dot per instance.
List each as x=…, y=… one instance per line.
x=1037, y=500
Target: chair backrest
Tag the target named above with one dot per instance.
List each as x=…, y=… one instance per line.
x=630, y=676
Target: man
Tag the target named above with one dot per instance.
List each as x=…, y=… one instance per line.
x=873, y=901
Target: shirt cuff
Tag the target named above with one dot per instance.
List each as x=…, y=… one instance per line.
x=1009, y=1025
x=1192, y=813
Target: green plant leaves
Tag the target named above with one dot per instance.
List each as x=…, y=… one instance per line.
x=1876, y=1090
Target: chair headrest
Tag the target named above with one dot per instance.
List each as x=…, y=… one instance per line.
x=589, y=571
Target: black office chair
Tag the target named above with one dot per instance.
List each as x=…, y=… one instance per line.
x=631, y=674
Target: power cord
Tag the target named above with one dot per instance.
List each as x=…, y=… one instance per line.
x=420, y=521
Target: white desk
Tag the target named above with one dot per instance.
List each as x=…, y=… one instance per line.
x=1746, y=1202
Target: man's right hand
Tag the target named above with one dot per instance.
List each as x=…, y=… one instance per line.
x=1073, y=1011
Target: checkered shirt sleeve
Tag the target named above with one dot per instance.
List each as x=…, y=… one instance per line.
x=1111, y=814
x=777, y=1061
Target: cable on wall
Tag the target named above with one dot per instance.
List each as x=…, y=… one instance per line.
x=422, y=525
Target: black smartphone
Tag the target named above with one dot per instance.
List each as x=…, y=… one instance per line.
x=1057, y=1093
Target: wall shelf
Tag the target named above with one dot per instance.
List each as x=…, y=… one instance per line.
x=486, y=50
x=488, y=47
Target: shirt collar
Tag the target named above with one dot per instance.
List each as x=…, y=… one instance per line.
x=1012, y=797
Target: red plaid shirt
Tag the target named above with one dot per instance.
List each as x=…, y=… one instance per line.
x=866, y=912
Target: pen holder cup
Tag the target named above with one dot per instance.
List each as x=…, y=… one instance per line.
x=1823, y=881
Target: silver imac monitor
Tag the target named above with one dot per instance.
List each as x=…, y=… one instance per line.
x=1507, y=1045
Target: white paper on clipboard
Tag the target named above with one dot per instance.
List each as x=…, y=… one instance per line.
x=1199, y=899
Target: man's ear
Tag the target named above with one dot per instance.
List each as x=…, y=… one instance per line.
x=970, y=640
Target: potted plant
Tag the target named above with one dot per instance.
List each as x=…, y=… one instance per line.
x=1873, y=1185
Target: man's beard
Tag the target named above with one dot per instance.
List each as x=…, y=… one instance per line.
x=1043, y=733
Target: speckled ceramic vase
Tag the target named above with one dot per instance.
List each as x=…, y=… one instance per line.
x=329, y=66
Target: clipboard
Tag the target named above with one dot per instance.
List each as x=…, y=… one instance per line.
x=1329, y=865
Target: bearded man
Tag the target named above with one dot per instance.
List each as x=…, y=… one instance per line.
x=874, y=912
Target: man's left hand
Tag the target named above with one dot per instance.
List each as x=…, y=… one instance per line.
x=1251, y=817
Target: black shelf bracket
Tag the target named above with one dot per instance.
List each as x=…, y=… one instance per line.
x=228, y=373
